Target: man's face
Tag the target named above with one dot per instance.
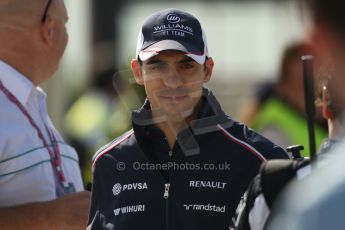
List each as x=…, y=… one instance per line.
x=330, y=49
x=173, y=83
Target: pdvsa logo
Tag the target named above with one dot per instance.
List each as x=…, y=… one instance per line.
x=173, y=18
x=118, y=188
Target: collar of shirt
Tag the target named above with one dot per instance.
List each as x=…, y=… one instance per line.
x=18, y=84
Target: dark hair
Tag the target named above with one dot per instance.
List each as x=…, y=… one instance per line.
x=330, y=12
x=141, y=62
x=291, y=54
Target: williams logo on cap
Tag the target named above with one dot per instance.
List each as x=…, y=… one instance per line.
x=173, y=18
x=172, y=29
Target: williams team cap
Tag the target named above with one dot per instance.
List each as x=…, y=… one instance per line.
x=172, y=29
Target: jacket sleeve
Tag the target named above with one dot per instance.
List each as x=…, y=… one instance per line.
x=93, y=222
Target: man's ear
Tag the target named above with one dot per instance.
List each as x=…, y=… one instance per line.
x=209, y=64
x=136, y=69
x=47, y=30
x=326, y=110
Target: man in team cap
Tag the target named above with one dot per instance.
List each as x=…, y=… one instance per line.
x=185, y=164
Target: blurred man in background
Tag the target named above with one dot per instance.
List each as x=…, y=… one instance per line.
x=315, y=199
x=278, y=111
x=274, y=176
x=88, y=129
x=40, y=181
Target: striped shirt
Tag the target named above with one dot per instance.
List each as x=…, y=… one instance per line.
x=26, y=173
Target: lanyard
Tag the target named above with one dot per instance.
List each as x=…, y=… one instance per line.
x=54, y=158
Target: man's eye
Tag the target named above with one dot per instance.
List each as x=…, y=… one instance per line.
x=158, y=66
x=187, y=65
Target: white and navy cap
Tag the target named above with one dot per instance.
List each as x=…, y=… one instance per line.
x=172, y=29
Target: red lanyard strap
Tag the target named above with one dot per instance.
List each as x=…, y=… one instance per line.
x=54, y=158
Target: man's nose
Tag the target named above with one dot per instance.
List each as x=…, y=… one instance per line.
x=172, y=78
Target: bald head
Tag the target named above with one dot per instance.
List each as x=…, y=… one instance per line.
x=19, y=23
x=30, y=45
x=20, y=14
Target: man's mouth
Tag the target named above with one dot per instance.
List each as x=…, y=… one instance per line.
x=173, y=98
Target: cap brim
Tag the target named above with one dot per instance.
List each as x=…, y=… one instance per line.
x=164, y=45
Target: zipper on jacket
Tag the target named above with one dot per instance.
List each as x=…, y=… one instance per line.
x=166, y=197
x=166, y=191
x=166, y=194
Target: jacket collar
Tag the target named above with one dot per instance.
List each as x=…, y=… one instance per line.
x=210, y=107
x=210, y=115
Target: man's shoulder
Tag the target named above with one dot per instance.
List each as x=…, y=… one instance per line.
x=115, y=147
x=253, y=141
x=7, y=108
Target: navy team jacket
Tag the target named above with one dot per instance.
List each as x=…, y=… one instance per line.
x=211, y=166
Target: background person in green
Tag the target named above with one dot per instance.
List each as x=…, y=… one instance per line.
x=99, y=114
x=278, y=113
